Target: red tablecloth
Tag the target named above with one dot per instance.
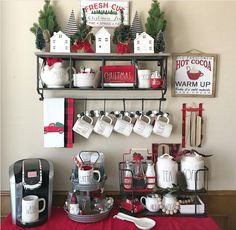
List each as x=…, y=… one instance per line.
x=60, y=221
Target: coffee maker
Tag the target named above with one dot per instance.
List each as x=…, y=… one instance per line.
x=32, y=176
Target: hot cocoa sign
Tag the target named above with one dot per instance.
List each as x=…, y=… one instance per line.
x=194, y=75
x=105, y=13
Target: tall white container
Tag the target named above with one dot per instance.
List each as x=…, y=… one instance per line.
x=189, y=165
x=166, y=170
x=151, y=175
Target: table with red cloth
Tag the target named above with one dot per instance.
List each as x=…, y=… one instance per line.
x=60, y=221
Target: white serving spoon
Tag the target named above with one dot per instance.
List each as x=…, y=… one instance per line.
x=141, y=223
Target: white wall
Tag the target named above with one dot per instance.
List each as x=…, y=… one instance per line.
x=208, y=26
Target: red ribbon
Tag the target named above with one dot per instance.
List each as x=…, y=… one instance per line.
x=52, y=61
x=82, y=45
x=123, y=48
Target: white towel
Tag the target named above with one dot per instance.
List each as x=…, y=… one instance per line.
x=53, y=119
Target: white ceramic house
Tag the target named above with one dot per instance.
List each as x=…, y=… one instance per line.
x=59, y=42
x=103, y=38
x=143, y=43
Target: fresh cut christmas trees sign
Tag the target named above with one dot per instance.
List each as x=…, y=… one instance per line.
x=105, y=13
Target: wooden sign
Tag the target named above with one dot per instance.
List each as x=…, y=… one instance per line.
x=194, y=74
x=105, y=13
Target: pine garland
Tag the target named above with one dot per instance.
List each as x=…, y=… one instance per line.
x=156, y=20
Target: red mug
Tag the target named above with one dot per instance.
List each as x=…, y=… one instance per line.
x=156, y=82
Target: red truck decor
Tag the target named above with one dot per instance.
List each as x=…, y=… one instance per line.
x=54, y=128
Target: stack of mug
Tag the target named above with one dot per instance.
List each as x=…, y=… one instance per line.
x=123, y=125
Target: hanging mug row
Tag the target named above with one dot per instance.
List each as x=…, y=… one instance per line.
x=123, y=124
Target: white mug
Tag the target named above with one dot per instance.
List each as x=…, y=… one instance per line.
x=124, y=127
x=30, y=208
x=144, y=76
x=162, y=128
x=143, y=128
x=151, y=202
x=86, y=175
x=102, y=127
x=169, y=202
x=83, y=127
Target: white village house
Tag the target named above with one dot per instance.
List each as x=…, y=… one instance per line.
x=143, y=43
x=59, y=42
x=103, y=44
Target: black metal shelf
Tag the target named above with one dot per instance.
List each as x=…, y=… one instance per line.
x=160, y=58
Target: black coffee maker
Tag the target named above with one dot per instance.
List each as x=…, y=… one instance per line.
x=32, y=176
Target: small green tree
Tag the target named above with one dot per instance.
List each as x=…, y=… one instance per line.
x=40, y=42
x=156, y=20
x=47, y=20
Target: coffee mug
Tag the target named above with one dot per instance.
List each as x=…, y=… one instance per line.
x=102, y=127
x=30, y=208
x=169, y=202
x=156, y=81
x=83, y=127
x=86, y=174
x=143, y=128
x=162, y=128
x=124, y=127
x=194, y=74
x=151, y=202
x=144, y=76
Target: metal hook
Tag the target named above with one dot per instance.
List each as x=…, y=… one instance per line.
x=104, y=107
x=124, y=104
x=142, y=105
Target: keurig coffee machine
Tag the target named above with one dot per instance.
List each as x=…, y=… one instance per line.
x=31, y=181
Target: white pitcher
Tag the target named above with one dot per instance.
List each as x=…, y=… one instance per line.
x=166, y=170
x=189, y=166
x=55, y=76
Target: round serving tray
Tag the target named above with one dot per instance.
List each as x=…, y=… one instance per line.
x=88, y=187
x=88, y=218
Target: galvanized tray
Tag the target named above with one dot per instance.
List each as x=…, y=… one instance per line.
x=88, y=218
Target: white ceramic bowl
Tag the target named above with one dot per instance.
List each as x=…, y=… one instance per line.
x=83, y=79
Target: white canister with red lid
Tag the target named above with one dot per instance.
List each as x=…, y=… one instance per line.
x=166, y=169
x=190, y=164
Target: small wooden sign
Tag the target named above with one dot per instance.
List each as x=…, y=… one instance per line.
x=194, y=74
x=105, y=13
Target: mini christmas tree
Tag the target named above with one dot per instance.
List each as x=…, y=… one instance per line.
x=47, y=22
x=160, y=43
x=122, y=36
x=40, y=42
x=155, y=21
x=71, y=27
x=136, y=27
x=83, y=38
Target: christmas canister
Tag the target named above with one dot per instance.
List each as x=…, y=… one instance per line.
x=166, y=169
x=189, y=165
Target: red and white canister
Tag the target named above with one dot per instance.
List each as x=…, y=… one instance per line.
x=150, y=175
x=128, y=178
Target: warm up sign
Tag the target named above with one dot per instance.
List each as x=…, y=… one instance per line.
x=105, y=13
x=194, y=75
